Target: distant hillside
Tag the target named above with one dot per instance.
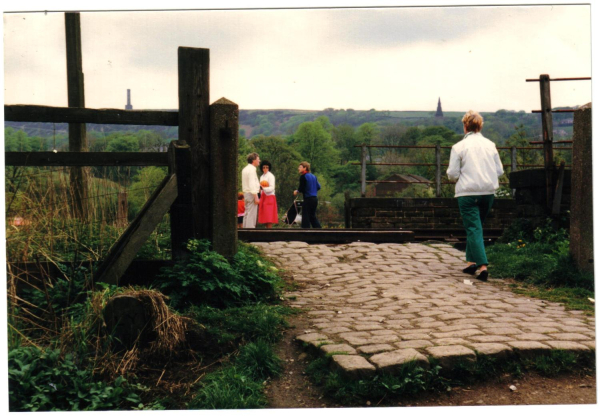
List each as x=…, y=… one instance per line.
x=498, y=125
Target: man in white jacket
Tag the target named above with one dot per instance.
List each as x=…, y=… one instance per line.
x=251, y=188
x=476, y=166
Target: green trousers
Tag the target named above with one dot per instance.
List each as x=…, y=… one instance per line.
x=473, y=210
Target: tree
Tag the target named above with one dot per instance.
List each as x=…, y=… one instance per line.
x=316, y=146
x=344, y=137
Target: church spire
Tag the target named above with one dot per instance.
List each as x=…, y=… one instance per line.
x=439, y=112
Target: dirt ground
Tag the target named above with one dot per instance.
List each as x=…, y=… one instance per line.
x=294, y=390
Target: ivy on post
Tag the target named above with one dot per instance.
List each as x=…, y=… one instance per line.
x=76, y=98
x=223, y=172
x=193, y=71
x=181, y=212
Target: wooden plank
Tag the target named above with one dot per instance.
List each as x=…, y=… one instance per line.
x=547, y=137
x=182, y=211
x=438, y=171
x=122, y=253
x=76, y=98
x=47, y=114
x=224, y=116
x=86, y=159
x=193, y=71
x=363, y=171
x=325, y=236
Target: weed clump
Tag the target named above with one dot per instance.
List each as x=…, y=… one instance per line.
x=208, y=278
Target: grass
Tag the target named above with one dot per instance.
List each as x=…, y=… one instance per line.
x=538, y=259
x=571, y=298
x=412, y=380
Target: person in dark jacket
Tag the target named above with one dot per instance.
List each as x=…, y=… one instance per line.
x=309, y=186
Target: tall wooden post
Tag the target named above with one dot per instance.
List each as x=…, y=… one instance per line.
x=363, y=172
x=193, y=69
x=76, y=98
x=438, y=170
x=224, y=124
x=547, y=137
x=181, y=212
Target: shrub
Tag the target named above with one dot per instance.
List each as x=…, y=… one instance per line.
x=40, y=380
x=209, y=278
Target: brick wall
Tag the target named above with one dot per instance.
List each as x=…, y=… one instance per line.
x=426, y=213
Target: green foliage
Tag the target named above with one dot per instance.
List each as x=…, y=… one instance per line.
x=42, y=380
x=232, y=326
x=229, y=388
x=537, y=255
x=209, y=278
x=259, y=361
x=558, y=361
x=411, y=380
x=314, y=142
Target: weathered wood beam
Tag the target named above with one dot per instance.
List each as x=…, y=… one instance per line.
x=182, y=210
x=122, y=253
x=85, y=159
x=325, y=236
x=193, y=73
x=547, y=134
x=76, y=98
x=47, y=114
x=224, y=116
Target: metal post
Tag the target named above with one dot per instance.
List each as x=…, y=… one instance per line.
x=363, y=173
x=438, y=170
x=547, y=137
x=513, y=164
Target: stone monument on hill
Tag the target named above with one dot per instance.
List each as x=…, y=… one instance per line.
x=439, y=112
x=128, y=106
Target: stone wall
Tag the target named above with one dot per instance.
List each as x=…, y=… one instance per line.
x=426, y=213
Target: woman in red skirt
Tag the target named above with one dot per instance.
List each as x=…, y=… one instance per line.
x=267, y=207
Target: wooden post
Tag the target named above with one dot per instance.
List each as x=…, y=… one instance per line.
x=193, y=70
x=347, y=211
x=513, y=164
x=76, y=98
x=547, y=137
x=363, y=172
x=559, y=188
x=122, y=209
x=438, y=170
x=181, y=212
x=223, y=172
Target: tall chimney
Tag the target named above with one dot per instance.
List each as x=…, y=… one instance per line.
x=128, y=106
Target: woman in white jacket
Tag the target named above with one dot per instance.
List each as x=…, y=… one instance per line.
x=267, y=207
x=476, y=166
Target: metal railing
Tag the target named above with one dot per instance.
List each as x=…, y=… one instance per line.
x=438, y=163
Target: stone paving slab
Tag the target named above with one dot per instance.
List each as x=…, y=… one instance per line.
x=377, y=299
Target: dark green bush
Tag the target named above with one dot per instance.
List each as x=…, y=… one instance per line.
x=259, y=361
x=210, y=279
x=40, y=380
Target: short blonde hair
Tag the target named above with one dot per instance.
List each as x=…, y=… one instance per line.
x=306, y=166
x=472, y=121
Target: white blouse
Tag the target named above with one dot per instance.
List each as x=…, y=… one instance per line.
x=269, y=177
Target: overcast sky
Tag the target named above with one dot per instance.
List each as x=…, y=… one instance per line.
x=387, y=58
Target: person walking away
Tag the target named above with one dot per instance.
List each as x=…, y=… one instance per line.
x=267, y=207
x=476, y=166
x=309, y=186
x=251, y=188
x=241, y=209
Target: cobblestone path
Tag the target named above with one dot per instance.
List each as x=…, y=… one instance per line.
x=386, y=304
